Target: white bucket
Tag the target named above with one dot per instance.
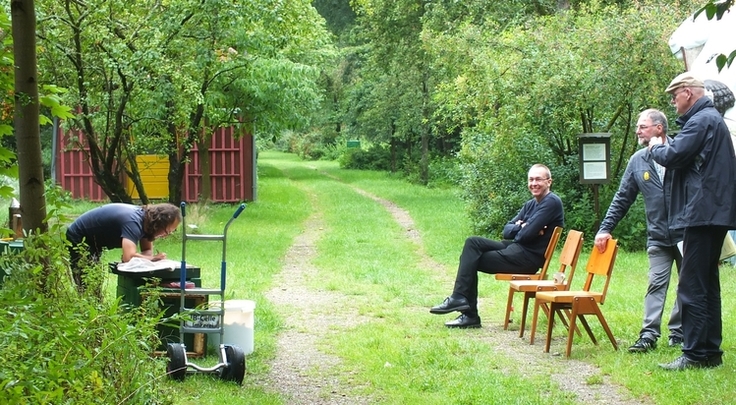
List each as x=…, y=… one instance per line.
x=238, y=325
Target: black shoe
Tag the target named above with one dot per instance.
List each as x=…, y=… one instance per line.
x=451, y=305
x=643, y=345
x=714, y=361
x=675, y=341
x=683, y=363
x=464, y=322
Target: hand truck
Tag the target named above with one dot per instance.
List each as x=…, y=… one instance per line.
x=231, y=366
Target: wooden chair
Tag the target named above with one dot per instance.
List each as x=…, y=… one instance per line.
x=568, y=260
x=580, y=303
x=551, y=246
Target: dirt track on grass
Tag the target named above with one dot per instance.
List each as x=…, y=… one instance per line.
x=305, y=375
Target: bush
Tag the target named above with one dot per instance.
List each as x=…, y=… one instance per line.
x=444, y=171
x=60, y=346
x=376, y=157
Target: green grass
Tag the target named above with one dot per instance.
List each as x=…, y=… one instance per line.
x=399, y=353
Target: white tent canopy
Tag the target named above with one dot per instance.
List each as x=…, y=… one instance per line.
x=698, y=41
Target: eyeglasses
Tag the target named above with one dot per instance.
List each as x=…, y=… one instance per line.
x=644, y=127
x=674, y=95
x=538, y=179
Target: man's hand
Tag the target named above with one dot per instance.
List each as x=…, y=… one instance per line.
x=655, y=140
x=600, y=241
x=541, y=231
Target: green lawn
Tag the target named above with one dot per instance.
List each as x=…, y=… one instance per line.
x=364, y=254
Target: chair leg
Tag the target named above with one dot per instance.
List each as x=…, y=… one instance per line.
x=524, y=309
x=550, y=325
x=509, y=305
x=586, y=306
x=603, y=322
x=571, y=329
x=545, y=308
x=587, y=328
x=534, y=322
x=567, y=315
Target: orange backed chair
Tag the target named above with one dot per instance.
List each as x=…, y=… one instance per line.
x=580, y=303
x=568, y=259
x=551, y=246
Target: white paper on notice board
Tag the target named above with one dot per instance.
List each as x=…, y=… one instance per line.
x=594, y=151
x=594, y=170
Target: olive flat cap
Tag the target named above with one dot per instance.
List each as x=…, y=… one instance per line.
x=686, y=79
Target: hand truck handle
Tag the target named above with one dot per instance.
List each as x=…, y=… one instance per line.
x=239, y=210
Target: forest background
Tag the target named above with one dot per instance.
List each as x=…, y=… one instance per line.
x=465, y=93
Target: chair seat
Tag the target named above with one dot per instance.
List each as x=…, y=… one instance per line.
x=510, y=276
x=534, y=285
x=566, y=296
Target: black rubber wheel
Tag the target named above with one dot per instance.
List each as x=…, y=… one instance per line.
x=176, y=367
x=235, y=364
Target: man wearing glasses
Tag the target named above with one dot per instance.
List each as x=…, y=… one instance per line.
x=703, y=174
x=122, y=226
x=526, y=238
x=644, y=175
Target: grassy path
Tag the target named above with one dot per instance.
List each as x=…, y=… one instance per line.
x=316, y=316
x=344, y=265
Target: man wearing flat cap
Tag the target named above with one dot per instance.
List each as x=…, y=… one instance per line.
x=701, y=166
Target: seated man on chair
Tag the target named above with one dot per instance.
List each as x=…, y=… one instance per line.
x=522, y=251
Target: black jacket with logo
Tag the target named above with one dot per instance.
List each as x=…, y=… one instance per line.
x=701, y=159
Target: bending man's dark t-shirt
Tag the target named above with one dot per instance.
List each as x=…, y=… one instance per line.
x=106, y=226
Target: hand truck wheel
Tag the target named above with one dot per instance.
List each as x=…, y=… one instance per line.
x=234, y=369
x=176, y=367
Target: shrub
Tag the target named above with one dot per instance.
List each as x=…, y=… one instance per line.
x=376, y=157
x=60, y=346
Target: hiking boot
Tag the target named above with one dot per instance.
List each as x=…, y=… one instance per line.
x=675, y=341
x=643, y=345
x=714, y=361
x=685, y=363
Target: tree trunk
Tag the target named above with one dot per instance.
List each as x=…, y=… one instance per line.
x=26, y=120
x=203, y=150
x=180, y=147
x=134, y=175
x=426, y=119
x=176, y=166
x=393, y=149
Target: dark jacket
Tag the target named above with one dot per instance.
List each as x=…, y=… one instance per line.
x=641, y=176
x=703, y=167
x=543, y=215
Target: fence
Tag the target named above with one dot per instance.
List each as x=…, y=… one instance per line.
x=232, y=169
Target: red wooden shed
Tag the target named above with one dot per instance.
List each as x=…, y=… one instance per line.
x=232, y=169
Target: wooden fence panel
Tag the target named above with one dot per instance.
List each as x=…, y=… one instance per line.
x=73, y=171
x=231, y=168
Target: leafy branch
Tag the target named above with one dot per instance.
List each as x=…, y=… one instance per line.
x=717, y=10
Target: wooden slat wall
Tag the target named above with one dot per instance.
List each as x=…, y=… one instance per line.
x=231, y=167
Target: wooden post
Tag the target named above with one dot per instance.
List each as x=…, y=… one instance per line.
x=14, y=219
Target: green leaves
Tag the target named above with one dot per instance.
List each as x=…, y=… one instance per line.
x=717, y=10
x=723, y=60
